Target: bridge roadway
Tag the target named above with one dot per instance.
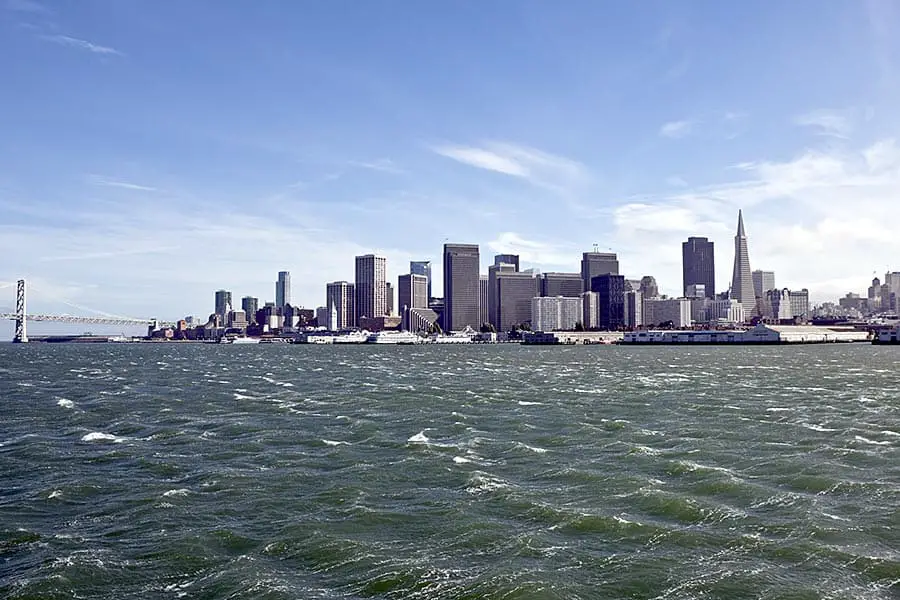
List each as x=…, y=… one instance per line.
x=86, y=320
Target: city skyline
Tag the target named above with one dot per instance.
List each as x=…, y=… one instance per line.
x=164, y=173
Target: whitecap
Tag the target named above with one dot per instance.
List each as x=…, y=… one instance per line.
x=866, y=440
x=419, y=438
x=527, y=403
x=242, y=397
x=889, y=432
x=178, y=492
x=817, y=427
x=65, y=403
x=461, y=460
x=778, y=409
x=534, y=449
x=98, y=436
x=333, y=443
x=55, y=494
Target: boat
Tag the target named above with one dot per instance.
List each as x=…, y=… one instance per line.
x=240, y=340
x=393, y=337
x=351, y=337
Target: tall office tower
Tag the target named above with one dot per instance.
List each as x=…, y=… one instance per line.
x=648, y=287
x=568, y=285
x=388, y=298
x=484, y=299
x=741, y=279
x=321, y=316
x=371, y=276
x=339, y=300
x=223, y=303
x=634, y=314
x=800, y=303
x=412, y=292
x=610, y=290
x=507, y=259
x=512, y=297
x=422, y=267
x=283, y=289
x=461, y=269
x=694, y=290
x=875, y=294
x=597, y=263
x=493, y=291
x=250, y=305
x=698, y=265
x=763, y=281
x=590, y=310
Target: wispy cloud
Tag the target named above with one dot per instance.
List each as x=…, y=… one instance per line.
x=535, y=252
x=383, y=165
x=835, y=123
x=103, y=181
x=71, y=42
x=27, y=6
x=539, y=168
x=676, y=129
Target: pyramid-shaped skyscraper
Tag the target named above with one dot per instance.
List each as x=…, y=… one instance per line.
x=742, y=280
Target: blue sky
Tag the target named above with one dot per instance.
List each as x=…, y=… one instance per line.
x=154, y=151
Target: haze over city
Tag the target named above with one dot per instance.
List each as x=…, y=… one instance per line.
x=155, y=152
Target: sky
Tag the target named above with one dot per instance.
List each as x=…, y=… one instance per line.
x=153, y=151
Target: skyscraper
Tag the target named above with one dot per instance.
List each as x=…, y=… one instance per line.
x=597, y=263
x=339, y=300
x=763, y=281
x=371, y=277
x=741, y=279
x=461, y=269
x=250, y=305
x=610, y=290
x=422, y=267
x=698, y=264
x=484, y=299
x=568, y=285
x=648, y=287
x=223, y=303
x=512, y=297
x=388, y=298
x=283, y=289
x=412, y=292
x=507, y=259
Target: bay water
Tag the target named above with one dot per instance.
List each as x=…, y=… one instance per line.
x=207, y=471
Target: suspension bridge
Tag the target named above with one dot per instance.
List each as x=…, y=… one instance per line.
x=21, y=316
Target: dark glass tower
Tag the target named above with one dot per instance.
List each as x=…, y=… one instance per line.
x=698, y=265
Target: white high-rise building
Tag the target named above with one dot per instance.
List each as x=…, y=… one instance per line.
x=340, y=298
x=590, y=310
x=742, y=279
x=371, y=288
x=727, y=311
x=555, y=314
x=634, y=314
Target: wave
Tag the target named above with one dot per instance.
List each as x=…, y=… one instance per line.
x=99, y=436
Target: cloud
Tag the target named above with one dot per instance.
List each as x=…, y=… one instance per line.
x=676, y=129
x=383, y=165
x=28, y=6
x=102, y=181
x=65, y=40
x=833, y=123
x=815, y=220
x=541, y=169
x=533, y=252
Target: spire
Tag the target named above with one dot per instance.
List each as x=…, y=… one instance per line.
x=740, y=231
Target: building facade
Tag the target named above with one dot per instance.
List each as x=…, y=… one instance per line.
x=494, y=272
x=223, y=304
x=659, y=312
x=698, y=266
x=250, y=305
x=461, y=274
x=763, y=281
x=283, y=289
x=423, y=268
x=648, y=287
x=724, y=311
x=389, y=298
x=741, y=278
x=610, y=290
x=340, y=298
x=568, y=285
x=555, y=314
x=412, y=292
x=597, y=263
x=634, y=314
x=590, y=310
x=778, y=305
x=513, y=299
x=371, y=288
x=484, y=299
x=800, y=304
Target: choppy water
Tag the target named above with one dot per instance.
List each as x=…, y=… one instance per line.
x=165, y=471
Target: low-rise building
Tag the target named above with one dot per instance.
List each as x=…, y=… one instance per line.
x=672, y=312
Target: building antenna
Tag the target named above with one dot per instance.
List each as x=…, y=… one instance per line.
x=596, y=247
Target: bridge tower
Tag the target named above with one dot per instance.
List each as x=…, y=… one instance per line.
x=21, y=335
